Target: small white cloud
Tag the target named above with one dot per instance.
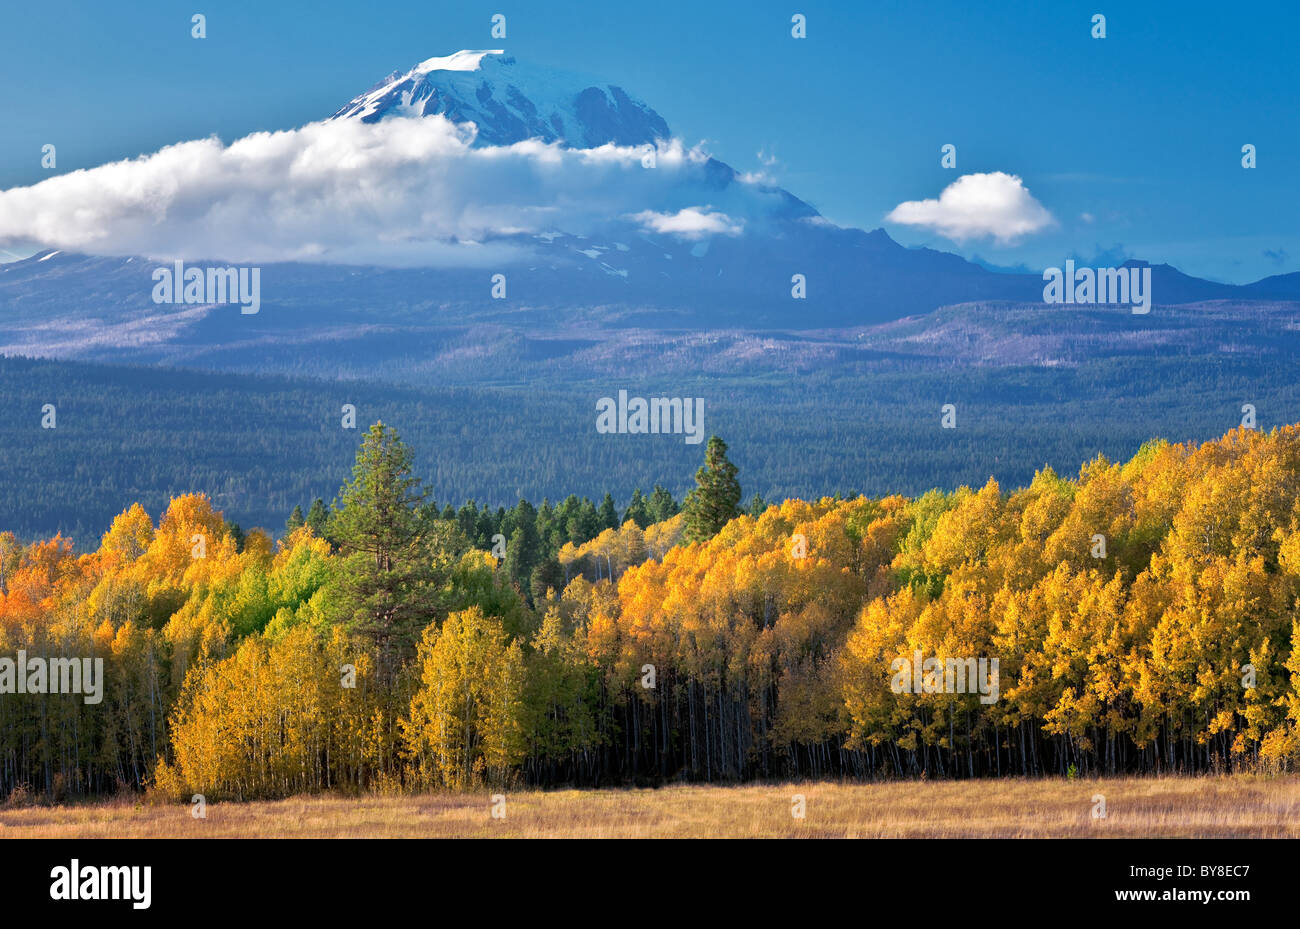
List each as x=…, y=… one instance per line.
x=1087, y=217
x=762, y=177
x=690, y=223
x=995, y=205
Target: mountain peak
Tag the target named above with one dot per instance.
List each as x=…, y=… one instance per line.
x=510, y=102
x=463, y=60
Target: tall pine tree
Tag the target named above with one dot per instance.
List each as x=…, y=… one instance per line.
x=387, y=588
x=607, y=514
x=715, y=500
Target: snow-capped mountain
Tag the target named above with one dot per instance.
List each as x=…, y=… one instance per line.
x=704, y=250
x=508, y=102
x=511, y=102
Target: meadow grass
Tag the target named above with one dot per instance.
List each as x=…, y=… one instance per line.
x=1192, y=807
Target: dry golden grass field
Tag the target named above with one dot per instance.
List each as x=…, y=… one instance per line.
x=1246, y=806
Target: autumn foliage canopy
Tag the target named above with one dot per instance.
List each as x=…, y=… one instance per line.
x=1144, y=617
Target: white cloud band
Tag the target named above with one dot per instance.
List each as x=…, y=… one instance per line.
x=398, y=192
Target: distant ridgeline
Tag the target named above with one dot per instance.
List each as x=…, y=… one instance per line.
x=1141, y=617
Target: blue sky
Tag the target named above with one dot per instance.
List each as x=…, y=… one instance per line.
x=1131, y=142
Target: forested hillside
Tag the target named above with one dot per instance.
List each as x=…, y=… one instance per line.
x=1143, y=615
x=258, y=446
